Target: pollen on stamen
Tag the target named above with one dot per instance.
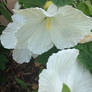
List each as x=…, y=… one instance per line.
x=48, y=23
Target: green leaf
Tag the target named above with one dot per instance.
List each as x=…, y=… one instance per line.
x=85, y=7
x=3, y=61
x=32, y=3
x=90, y=7
x=1, y=28
x=85, y=55
x=62, y=2
x=22, y=83
x=91, y=1
x=65, y=88
x=42, y=59
x=3, y=58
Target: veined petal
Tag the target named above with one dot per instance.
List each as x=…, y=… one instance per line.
x=22, y=55
x=16, y=18
x=79, y=73
x=24, y=34
x=74, y=16
x=66, y=37
x=49, y=82
x=69, y=26
x=37, y=13
x=40, y=41
x=63, y=67
x=22, y=21
x=8, y=38
x=32, y=14
x=64, y=60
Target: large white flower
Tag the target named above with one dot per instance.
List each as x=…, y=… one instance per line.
x=37, y=30
x=63, y=68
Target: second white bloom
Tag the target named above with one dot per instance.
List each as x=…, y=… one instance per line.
x=63, y=68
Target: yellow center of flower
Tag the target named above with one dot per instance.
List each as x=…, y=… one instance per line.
x=48, y=20
x=48, y=23
x=47, y=4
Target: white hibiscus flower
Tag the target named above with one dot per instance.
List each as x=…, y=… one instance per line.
x=36, y=30
x=63, y=68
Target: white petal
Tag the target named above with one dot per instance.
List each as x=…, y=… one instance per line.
x=49, y=82
x=75, y=16
x=66, y=37
x=22, y=55
x=38, y=12
x=31, y=14
x=79, y=77
x=40, y=41
x=52, y=10
x=16, y=18
x=69, y=26
x=24, y=34
x=62, y=68
x=8, y=38
x=62, y=60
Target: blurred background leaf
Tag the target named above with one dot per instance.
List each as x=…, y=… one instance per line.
x=3, y=62
x=85, y=7
x=65, y=88
x=32, y=3
x=85, y=55
x=22, y=84
x=62, y=2
x=42, y=59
